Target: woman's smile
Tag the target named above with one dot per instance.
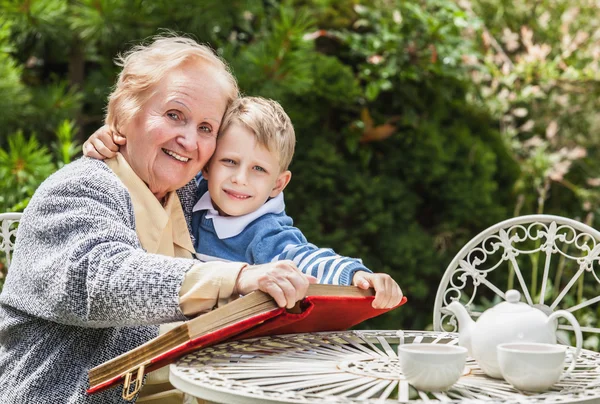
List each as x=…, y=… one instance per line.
x=176, y=156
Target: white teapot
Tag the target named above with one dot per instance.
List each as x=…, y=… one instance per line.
x=509, y=321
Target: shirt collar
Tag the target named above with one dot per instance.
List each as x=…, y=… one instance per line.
x=151, y=218
x=231, y=226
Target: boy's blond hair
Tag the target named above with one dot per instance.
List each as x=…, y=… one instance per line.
x=144, y=66
x=269, y=123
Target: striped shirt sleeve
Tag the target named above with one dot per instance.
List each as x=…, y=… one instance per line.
x=288, y=243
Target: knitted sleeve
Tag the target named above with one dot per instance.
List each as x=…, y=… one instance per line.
x=78, y=260
x=275, y=241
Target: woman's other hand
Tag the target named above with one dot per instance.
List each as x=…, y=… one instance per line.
x=282, y=280
x=387, y=292
x=103, y=144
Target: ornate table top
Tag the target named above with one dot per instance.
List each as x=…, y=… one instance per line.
x=351, y=367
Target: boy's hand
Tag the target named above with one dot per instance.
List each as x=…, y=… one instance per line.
x=103, y=144
x=387, y=292
x=281, y=279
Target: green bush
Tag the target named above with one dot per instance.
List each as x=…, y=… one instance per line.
x=419, y=123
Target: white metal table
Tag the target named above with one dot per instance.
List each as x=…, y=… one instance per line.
x=350, y=367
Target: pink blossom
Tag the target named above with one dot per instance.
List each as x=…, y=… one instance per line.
x=375, y=59
x=559, y=170
x=314, y=35
x=593, y=182
x=551, y=130
x=577, y=153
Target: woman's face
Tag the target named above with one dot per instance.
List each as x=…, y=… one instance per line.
x=174, y=134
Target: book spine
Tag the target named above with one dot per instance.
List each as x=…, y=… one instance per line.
x=202, y=341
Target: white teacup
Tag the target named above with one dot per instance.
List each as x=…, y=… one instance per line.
x=432, y=367
x=533, y=366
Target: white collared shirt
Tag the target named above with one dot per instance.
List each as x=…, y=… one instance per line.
x=231, y=226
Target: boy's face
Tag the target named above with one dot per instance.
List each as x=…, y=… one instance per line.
x=242, y=174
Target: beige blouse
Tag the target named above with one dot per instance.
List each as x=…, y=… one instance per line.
x=163, y=230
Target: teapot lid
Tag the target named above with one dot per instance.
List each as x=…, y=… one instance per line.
x=512, y=303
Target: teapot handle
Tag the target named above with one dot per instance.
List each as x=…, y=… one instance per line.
x=578, y=338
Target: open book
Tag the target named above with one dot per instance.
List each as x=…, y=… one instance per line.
x=326, y=308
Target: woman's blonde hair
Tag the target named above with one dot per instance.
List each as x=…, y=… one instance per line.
x=268, y=121
x=144, y=66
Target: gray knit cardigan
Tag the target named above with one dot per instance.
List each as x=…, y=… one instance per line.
x=80, y=290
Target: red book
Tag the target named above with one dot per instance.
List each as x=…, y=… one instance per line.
x=326, y=308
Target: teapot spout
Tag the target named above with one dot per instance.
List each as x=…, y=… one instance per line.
x=465, y=325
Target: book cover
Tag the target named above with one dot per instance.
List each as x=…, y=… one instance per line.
x=326, y=308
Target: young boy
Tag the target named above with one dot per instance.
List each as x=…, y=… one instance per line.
x=240, y=214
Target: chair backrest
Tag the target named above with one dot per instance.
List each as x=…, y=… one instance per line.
x=8, y=233
x=553, y=261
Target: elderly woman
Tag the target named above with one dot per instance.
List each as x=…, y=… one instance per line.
x=103, y=253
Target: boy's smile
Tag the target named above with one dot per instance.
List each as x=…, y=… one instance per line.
x=236, y=195
x=242, y=174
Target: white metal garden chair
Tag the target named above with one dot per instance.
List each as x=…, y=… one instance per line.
x=8, y=233
x=553, y=261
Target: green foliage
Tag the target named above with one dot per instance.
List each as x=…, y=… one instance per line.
x=36, y=23
x=15, y=95
x=275, y=62
x=381, y=200
x=65, y=148
x=542, y=84
x=23, y=166
x=419, y=123
x=52, y=104
x=25, y=163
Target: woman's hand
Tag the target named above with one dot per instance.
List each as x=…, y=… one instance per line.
x=387, y=292
x=103, y=144
x=282, y=280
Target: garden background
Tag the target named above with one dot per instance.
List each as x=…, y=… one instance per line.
x=419, y=123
